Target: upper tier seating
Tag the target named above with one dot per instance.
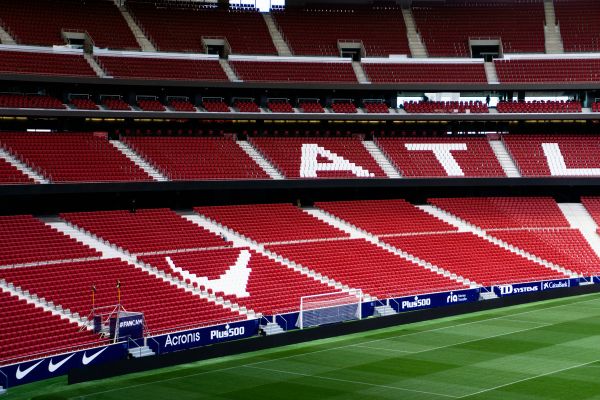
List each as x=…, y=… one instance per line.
x=271, y=288
x=472, y=155
x=344, y=107
x=215, y=105
x=66, y=157
x=197, y=158
x=540, y=106
x=280, y=106
x=473, y=258
x=446, y=27
x=40, y=22
x=425, y=73
x=245, y=30
x=554, y=155
x=548, y=71
x=145, y=231
x=376, y=108
x=246, y=106
x=162, y=68
x=505, y=212
x=267, y=223
x=579, y=22
x=84, y=104
x=26, y=239
x=37, y=332
x=151, y=105
x=314, y=106
x=385, y=217
x=317, y=31
x=115, y=104
x=30, y=101
x=274, y=71
x=287, y=154
x=10, y=174
x=166, y=308
x=447, y=107
x=182, y=105
x=21, y=62
x=362, y=265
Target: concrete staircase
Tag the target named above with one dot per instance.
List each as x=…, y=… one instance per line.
x=385, y=310
x=579, y=218
x=361, y=76
x=5, y=37
x=231, y=75
x=2, y=390
x=490, y=73
x=139, y=161
x=95, y=66
x=415, y=43
x=260, y=160
x=280, y=44
x=272, y=328
x=504, y=158
x=381, y=159
x=24, y=168
x=552, y=38
x=139, y=352
x=465, y=226
x=140, y=37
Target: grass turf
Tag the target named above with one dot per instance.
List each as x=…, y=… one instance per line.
x=547, y=350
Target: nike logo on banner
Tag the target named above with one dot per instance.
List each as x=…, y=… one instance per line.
x=86, y=360
x=22, y=374
x=53, y=367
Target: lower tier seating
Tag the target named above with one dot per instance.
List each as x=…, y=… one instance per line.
x=362, y=265
x=197, y=158
x=144, y=231
x=271, y=288
x=37, y=332
x=166, y=307
x=9, y=174
x=473, y=258
x=505, y=212
x=72, y=157
x=442, y=157
x=265, y=223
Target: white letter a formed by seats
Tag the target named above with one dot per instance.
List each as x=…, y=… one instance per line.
x=443, y=153
x=310, y=165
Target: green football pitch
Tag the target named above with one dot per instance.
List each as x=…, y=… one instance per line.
x=546, y=350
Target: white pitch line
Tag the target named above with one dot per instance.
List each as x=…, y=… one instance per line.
x=332, y=348
x=351, y=381
x=528, y=379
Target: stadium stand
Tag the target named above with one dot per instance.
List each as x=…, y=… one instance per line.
x=115, y=104
x=30, y=101
x=38, y=332
x=37, y=63
x=473, y=258
x=448, y=107
x=280, y=106
x=215, y=105
x=579, y=22
x=144, y=231
x=384, y=217
x=166, y=308
x=162, y=68
x=9, y=174
x=271, y=288
x=595, y=107
x=72, y=157
x=310, y=157
x=151, y=105
x=311, y=106
x=182, y=105
x=554, y=155
x=245, y=30
x=27, y=240
x=196, y=158
x=425, y=72
x=447, y=27
x=246, y=105
x=84, y=104
x=360, y=264
x=283, y=71
x=592, y=205
x=539, y=106
x=457, y=156
x=316, y=31
x=548, y=70
x=376, y=107
x=344, y=107
x=41, y=22
x=268, y=223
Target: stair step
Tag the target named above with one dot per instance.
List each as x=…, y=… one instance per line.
x=381, y=159
x=24, y=168
x=231, y=75
x=142, y=351
x=260, y=160
x=138, y=160
x=504, y=158
x=272, y=328
x=280, y=44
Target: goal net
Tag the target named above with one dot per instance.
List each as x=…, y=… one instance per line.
x=329, y=308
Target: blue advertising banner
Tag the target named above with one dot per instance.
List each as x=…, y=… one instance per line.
x=130, y=324
x=420, y=302
x=204, y=336
x=532, y=287
x=32, y=371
